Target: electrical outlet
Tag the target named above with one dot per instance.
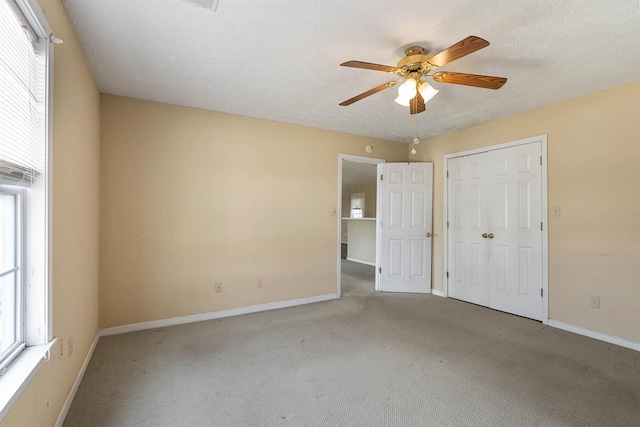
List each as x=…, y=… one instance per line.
x=594, y=301
x=260, y=283
x=218, y=286
x=70, y=346
x=556, y=210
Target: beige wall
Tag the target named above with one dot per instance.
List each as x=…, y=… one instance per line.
x=75, y=227
x=370, y=194
x=191, y=197
x=593, y=172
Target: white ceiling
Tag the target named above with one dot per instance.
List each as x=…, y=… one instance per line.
x=279, y=59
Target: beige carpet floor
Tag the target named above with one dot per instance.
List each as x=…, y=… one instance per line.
x=369, y=359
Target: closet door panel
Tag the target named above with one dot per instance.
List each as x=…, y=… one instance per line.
x=514, y=208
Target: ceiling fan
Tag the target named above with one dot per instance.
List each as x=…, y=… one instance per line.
x=414, y=92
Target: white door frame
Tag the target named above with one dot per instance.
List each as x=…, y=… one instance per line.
x=359, y=159
x=545, y=232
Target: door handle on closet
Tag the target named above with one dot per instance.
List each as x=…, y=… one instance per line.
x=427, y=234
x=487, y=235
x=490, y=235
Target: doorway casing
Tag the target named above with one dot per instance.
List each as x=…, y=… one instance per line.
x=359, y=159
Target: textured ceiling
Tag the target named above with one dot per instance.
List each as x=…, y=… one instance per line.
x=279, y=59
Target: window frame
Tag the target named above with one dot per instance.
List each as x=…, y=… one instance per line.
x=38, y=319
x=17, y=347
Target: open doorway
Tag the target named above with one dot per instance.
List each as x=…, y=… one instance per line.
x=357, y=225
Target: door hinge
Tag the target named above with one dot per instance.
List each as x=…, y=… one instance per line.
x=447, y=224
x=447, y=274
x=541, y=227
x=447, y=174
x=380, y=270
x=541, y=292
x=540, y=160
x=381, y=177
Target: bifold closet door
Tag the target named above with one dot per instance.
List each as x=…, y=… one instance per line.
x=468, y=252
x=515, y=220
x=495, y=235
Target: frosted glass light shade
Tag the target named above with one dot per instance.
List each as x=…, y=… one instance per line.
x=408, y=89
x=402, y=101
x=427, y=91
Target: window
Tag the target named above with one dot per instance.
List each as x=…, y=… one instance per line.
x=357, y=205
x=10, y=274
x=24, y=56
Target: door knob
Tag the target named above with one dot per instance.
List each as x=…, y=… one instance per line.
x=490, y=235
x=427, y=234
x=485, y=235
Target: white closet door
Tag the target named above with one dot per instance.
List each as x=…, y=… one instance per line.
x=495, y=236
x=515, y=218
x=468, y=251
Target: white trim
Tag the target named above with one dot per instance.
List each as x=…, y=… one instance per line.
x=445, y=229
x=359, y=159
x=623, y=342
x=213, y=315
x=437, y=292
x=376, y=286
x=545, y=233
x=76, y=384
x=361, y=261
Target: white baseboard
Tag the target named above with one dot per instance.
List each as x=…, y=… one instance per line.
x=361, y=261
x=76, y=384
x=214, y=315
x=623, y=342
x=437, y=292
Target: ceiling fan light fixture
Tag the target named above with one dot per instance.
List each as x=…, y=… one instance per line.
x=413, y=92
x=406, y=92
x=402, y=101
x=408, y=89
x=427, y=91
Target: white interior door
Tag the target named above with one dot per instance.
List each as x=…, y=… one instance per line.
x=515, y=219
x=494, y=228
x=404, y=263
x=468, y=251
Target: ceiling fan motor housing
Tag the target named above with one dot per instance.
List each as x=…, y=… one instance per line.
x=414, y=61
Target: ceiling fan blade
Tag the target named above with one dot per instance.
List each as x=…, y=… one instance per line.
x=487, y=82
x=367, y=93
x=369, y=66
x=416, y=105
x=458, y=50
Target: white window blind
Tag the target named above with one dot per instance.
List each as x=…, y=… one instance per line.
x=22, y=100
